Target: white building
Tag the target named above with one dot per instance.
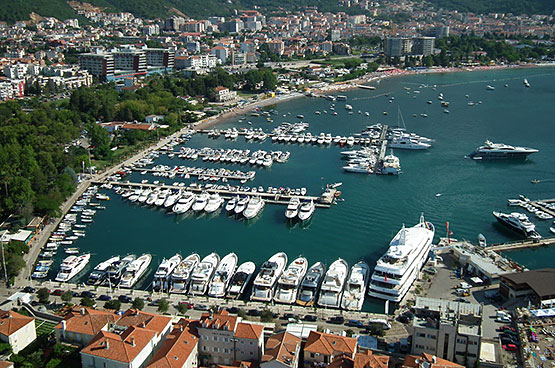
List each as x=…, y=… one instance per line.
x=179, y=350
x=17, y=330
x=223, y=94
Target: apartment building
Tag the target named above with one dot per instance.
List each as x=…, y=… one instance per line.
x=321, y=348
x=99, y=64
x=180, y=349
x=281, y=351
x=81, y=324
x=223, y=94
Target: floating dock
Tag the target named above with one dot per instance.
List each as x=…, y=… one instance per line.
x=545, y=209
x=190, y=171
x=523, y=244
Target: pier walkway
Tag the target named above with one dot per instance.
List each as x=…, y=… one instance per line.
x=196, y=171
x=383, y=143
x=539, y=206
x=523, y=244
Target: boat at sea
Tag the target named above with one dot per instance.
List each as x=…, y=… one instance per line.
x=163, y=272
x=241, y=204
x=290, y=281
x=201, y=201
x=98, y=274
x=214, y=202
x=184, y=203
x=390, y=165
x=230, y=205
x=332, y=286
x=517, y=222
x=240, y=280
x=181, y=276
x=116, y=269
x=308, y=292
x=399, y=267
x=526, y=83
x=292, y=208
x=134, y=271
x=500, y=151
x=71, y=266
x=255, y=206
x=407, y=142
x=306, y=210
x=222, y=276
x=265, y=281
x=355, y=287
x=202, y=274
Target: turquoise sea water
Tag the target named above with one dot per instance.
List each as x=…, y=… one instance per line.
x=375, y=207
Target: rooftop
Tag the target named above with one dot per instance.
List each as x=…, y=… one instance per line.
x=541, y=281
x=11, y=322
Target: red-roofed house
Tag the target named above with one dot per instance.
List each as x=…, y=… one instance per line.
x=81, y=324
x=428, y=361
x=224, y=339
x=179, y=350
x=282, y=351
x=362, y=360
x=322, y=348
x=17, y=330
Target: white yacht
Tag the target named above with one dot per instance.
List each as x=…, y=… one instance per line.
x=222, y=276
x=99, y=272
x=290, y=281
x=497, y=151
x=181, y=276
x=355, y=288
x=240, y=280
x=202, y=274
x=172, y=199
x=163, y=272
x=71, y=266
x=256, y=204
x=397, y=269
x=391, y=165
x=241, y=204
x=135, y=270
x=517, y=222
x=407, y=142
x=214, y=202
x=293, y=208
x=201, y=201
x=116, y=269
x=332, y=286
x=230, y=205
x=265, y=281
x=184, y=203
x=308, y=293
x=306, y=210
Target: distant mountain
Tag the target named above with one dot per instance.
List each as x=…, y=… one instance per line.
x=498, y=6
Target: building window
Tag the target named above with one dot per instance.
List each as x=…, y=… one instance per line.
x=312, y=355
x=471, y=355
x=205, y=348
x=215, y=350
x=421, y=334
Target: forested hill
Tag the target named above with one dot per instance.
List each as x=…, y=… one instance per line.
x=14, y=10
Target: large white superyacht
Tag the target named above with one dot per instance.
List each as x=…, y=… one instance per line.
x=290, y=281
x=398, y=268
x=332, y=287
x=355, y=288
x=135, y=270
x=71, y=266
x=265, y=281
x=163, y=272
x=99, y=273
x=181, y=276
x=223, y=275
x=240, y=280
x=308, y=292
x=203, y=273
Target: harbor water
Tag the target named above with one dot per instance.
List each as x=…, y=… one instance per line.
x=438, y=182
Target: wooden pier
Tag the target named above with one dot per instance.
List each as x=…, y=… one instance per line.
x=523, y=244
x=383, y=143
x=543, y=208
x=324, y=201
x=189, y=171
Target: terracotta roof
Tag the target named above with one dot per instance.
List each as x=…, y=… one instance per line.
x=11, y=321
x=121, y=348
x=369, y=360
x=328, y=344
x=140, y=126
x=220, y=88
x=5, y=364
x=87, y=321
x=248, y=331
x=415, y=361
x=151, y=321
x=221, y=321
x=177, y=347
x=282, y=347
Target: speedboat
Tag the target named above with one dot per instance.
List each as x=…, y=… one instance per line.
x=407, y=142
x=202, y=274
x=116, y=269
x=240, y=280
x=184, y=203
x=223, y=275
x=518, y=222
x=241, y=204
x=172, y=199
x=265, y=281
x=290, y=281
x=499, y=151
x=201, y=202
x=181, y=276
x=310, y=285
x=399, y=267
x=390, y=165
x=214, y=202
x=99, y=272
x=306, y=210
x=332, y=286
x=163, y=272
x=230, y=205
x=256, y=204
x=293, y=208
x=134, y=271
x=355, y=288
x=71, y=266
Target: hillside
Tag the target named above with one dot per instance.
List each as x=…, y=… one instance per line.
x=498, y=6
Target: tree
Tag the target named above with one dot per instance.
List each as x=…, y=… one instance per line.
x=43, y=295
x=163, y=305
x=266, y=316
x=182, y=308
x=138, y=303
x=241, y=313
x=87, y=302
x=114, y=304
x=66, y=297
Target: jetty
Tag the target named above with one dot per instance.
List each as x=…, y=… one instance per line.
x=522, y=244
x=541, y=205
x=202, y=172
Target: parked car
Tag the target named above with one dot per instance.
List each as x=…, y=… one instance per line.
x=125, y=299
x=510, y=347
x=507, y=328
x=504, y=319
x=202, y=307
x=289, y=316
x=337, y=320
x=254, y=312
x=29, y=289
x=88, y=294
x=310, y=318
x=234, y=310
x=57, y=292
x=355, y=323
x=506, y=341
x=430, y=270
x=105, y=297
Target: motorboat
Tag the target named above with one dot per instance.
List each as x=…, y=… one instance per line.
x=517, y=222
x=201, y=201
x=116, y=269
x=71, y=266
x=255, y=206
x=290, y=281
x=332, y=286
x=292, y=208
x=399, y=267
x=202, y=274
x=230, y=205
x=500, y=151
x=265, y=281
x=163, y=272
x=98, y=274
x=172, y=199
x=184, y=203
x=214, y=202
x=306, y=210
x=391, y=165
x=526, y=83
x=240, y=280
x=355, y=287
x=181, y=276
x=134, y=271
x=241, y=204
x=308, y=292
x=407, y=142
x=222, y=276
